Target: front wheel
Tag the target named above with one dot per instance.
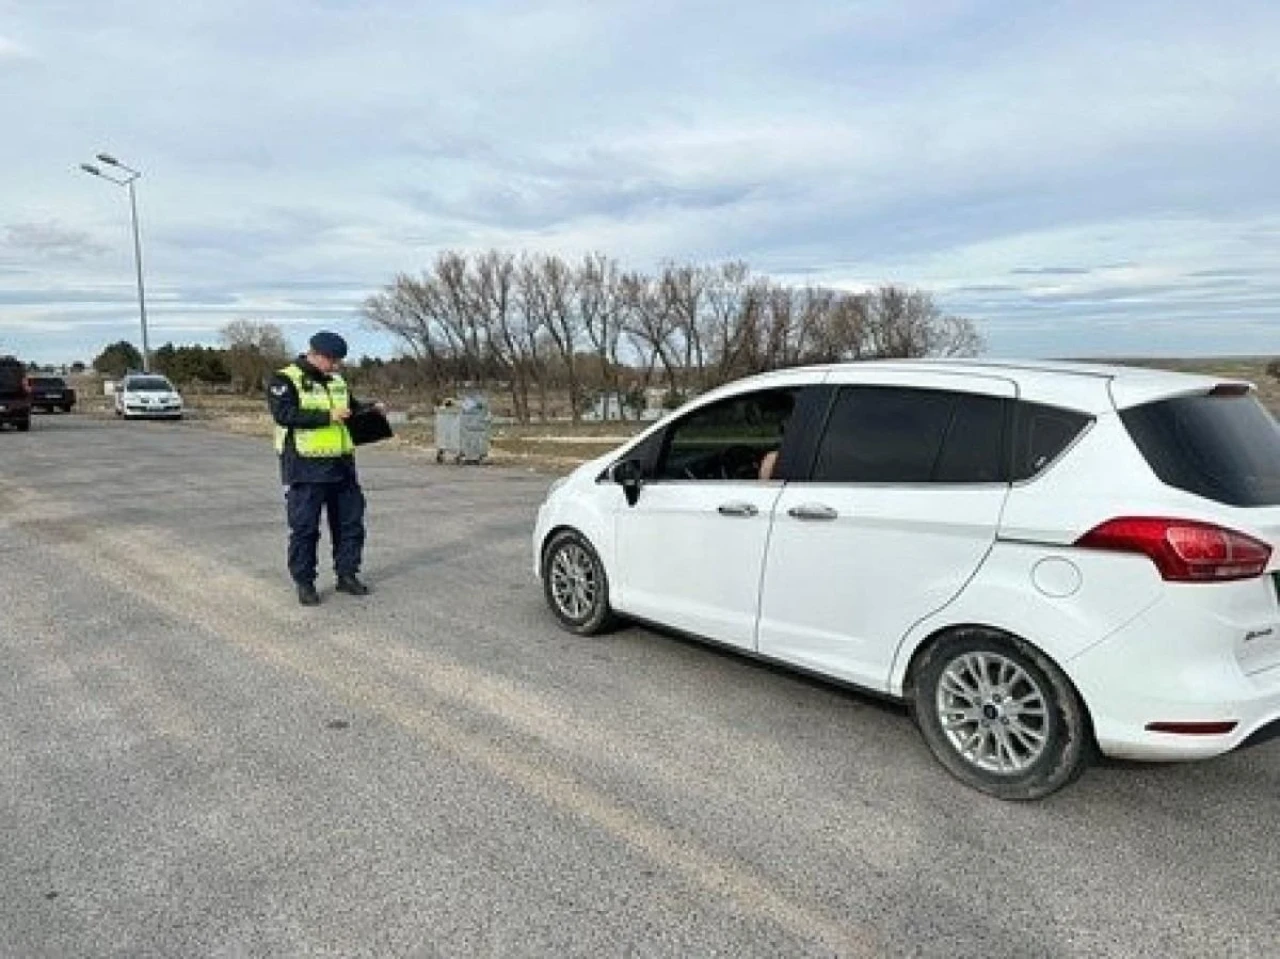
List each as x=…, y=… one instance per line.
x=1000, y=715
x=24, y=425
x=575, y=585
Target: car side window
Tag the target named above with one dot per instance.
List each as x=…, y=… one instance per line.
x=727, y=440
x=1040, y=435
x=974, y=448
x=880, y=434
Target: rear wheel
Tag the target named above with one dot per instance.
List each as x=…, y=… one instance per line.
x=1000, y=715
x=575, y=584
x=24, y=425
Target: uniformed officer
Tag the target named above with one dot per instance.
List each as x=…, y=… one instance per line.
x=310, y=404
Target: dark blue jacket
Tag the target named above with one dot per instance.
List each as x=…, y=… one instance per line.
x=282, y=398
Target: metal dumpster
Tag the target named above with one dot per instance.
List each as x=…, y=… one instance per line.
x=462, y=430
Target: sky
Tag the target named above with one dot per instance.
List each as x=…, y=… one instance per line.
x=1080, y=178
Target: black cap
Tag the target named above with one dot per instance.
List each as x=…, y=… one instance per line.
x=329, y=344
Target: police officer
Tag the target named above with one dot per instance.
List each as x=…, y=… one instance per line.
x=310, y=404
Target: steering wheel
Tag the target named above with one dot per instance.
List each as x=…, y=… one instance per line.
x=739, y=462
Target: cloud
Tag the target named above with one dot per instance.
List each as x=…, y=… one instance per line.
x=1050, y=271
x=1022, y=161
x=12, y=50
x=48, y=241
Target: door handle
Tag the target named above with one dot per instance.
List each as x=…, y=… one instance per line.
x=737, y=509
x=812, y=511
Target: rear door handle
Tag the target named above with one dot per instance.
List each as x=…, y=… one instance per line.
x=811, y=511
x=737, y=509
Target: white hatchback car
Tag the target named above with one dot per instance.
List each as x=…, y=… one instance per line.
x=148, y=395
x=1041, y=559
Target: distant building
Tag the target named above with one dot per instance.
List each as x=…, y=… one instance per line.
x=610, y=406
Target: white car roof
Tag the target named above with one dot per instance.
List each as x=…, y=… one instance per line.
x=1089, y=387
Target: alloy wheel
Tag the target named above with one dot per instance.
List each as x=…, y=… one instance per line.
x=993, y=713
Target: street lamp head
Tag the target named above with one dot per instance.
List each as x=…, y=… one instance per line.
x=108, y=159
x=90, y=168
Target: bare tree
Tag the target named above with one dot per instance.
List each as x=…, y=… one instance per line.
x=602, y=307
x=406, y=310
x=730, y=319
x=683, y=289
x=458, y=314
x=254, y=351
x=556, y=303
x=907, y=323
x=492, y=289
x=531, y=320
x=650, y=327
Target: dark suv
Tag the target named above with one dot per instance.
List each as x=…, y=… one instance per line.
x=51, y=393
x=15, y=394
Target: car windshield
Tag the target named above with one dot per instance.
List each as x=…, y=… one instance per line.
x=48, y=383
x=149, y=384
x=1225, y=447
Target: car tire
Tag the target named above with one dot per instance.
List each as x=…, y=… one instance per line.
x=575, y=585
x=1000, y=715
x=24, y=425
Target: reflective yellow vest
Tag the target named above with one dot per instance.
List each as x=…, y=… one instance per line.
x=323, y=441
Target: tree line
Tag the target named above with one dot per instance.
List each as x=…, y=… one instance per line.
x=536, y=323
x=250, y=353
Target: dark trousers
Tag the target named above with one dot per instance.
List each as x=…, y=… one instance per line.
x=343, y=503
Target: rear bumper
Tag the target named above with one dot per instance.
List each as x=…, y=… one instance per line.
x=1203, y=654
x=15, y=412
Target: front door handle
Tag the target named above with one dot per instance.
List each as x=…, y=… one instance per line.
x=810, y=511
x=737, y=509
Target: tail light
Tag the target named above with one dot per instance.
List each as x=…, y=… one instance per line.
x=1185, y=551
x=26, y=385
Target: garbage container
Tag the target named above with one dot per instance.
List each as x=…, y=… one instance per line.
x=462, y=430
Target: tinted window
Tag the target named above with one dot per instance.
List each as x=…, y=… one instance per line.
x=48, y=382
x=1225, y=448
x=728, y=439
x=973, y=451
x=895, y=435
x=148, y=384
x=1040, y=435
x=646, y=452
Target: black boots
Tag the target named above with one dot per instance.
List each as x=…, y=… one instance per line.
x=308, y=596
x=350, y=584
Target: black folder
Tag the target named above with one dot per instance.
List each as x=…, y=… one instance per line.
x=368, y=426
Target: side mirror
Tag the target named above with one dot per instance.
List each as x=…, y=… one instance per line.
x=630, y=477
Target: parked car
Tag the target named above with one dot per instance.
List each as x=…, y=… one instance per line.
x=148, y=395
x=15, y=394
x=51, y=393
x=1041, y=559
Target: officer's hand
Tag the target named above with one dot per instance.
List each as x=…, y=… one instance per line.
x=339, y=416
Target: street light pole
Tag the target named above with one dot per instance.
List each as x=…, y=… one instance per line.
x=129, y=176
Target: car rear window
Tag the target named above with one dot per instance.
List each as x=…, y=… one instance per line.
x=48, y=383
x=1223, y=447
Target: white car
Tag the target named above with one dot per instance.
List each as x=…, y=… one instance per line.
x=148, y=395
x=1041, y=559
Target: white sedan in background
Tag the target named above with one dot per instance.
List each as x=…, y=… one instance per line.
x=1041, y=560
x=148, y=395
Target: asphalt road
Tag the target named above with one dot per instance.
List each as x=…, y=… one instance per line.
x=193, y=765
